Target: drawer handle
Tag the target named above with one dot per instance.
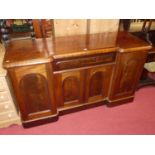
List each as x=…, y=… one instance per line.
x=2, y=97
x=1, y=85
x=9, y=115
x=6, y=107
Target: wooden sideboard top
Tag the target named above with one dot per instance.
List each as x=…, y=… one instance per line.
x=128, y=42
x=22, y=52
x=26, y=52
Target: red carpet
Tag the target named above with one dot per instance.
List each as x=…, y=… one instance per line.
x=137, y=117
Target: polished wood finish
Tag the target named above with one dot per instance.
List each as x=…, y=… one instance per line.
x=127, y=73
x=28, y=52
x=98, y=82
x=129, y=43
x=52, y=76
x=37, y=28
x=69, y=85
x=34, y=91
x=81, y=44
x=60, y=64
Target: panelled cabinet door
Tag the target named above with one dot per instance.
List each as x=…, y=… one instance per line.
x=127, y=73
x=69, y=88
x=97, y=83
x=33, y=91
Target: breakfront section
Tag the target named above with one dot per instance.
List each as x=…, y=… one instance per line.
x=34, y=92
x=82, y=86
x=128, y=69
x=84, y=80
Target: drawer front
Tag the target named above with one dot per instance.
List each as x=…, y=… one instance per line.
x=4, y=97
x=84, y=61
x=8, y=116
x=5, y=107
x=2, y=85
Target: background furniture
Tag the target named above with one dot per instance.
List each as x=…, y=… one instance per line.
x=144, y=29
x=13, y=29
x=67, y=27
x=146, y=79
x=8, y=111
x=42, y=28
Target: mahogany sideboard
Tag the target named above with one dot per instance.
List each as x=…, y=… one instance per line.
x=54, y=76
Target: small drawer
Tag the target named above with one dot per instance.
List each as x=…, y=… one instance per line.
x=8, y=116
x=4, y=97
x=61, y=64
x=2, y=85
x=6, y=107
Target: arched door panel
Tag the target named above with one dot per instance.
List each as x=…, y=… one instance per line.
x=97, y=83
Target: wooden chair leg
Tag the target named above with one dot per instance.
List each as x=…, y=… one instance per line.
x=145, y=30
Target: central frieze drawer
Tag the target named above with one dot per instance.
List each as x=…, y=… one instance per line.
x=61, y=64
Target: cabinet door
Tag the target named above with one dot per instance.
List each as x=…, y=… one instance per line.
x=128, y=69
x=69, y=88
x=33, y=90
x=97, y=82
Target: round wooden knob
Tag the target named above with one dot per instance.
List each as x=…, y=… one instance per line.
x=7, y=61
x=2, y=97
x=9, y=115
x=75, y=25
x=6, y=106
